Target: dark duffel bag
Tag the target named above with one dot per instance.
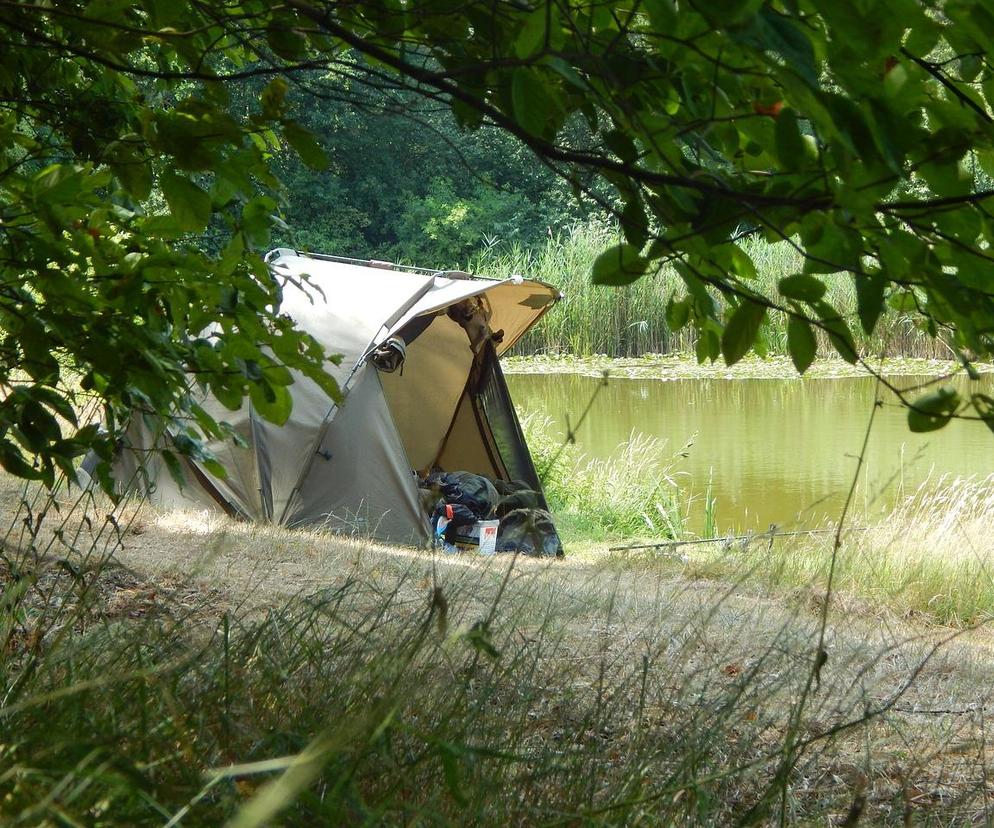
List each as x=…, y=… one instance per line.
x=530, y=532
x=515, y=494
x=462, y=488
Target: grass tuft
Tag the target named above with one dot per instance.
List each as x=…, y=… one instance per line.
x=633, y=493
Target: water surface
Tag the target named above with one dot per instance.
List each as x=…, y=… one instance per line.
x=775, y=451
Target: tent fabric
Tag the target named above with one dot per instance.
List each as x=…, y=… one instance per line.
x=424, y=398
x=352, y=467
x=360, y=482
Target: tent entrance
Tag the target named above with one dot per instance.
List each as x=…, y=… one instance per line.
x=486, y=436
x=453, y=409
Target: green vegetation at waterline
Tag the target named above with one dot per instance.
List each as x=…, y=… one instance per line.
x=633, y=320
x=683, y=367
x=929, y=557
x=926, y=557
x=632, y=493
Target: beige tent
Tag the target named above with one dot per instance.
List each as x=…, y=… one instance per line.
x=353, y=467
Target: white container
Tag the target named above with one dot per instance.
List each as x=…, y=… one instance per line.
x=488, y=536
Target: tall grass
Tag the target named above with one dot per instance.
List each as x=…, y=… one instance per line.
x=929, y=557
x=409, y=692
x=634, y=492
x=630, y=321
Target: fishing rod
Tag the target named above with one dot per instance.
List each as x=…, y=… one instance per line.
x=770, y=533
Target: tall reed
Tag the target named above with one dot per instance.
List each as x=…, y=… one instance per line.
x=630, y=321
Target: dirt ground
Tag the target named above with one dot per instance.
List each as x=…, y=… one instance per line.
x=928, y=687
x=871, y=652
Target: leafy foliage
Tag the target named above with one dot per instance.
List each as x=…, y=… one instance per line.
x=406, y=184
x=107, y=175
x=859, y=133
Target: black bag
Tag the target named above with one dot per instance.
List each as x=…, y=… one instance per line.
x=530, y=532
x=473, y=492
x=515, y=494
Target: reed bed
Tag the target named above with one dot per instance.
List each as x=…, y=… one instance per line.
x=631, y=321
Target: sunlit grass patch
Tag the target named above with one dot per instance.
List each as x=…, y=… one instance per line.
x=930, y=556
x=634, y=492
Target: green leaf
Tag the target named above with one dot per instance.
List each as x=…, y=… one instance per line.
x=621, y=145
x=531, y=38
x=791, y=148
x=947, y=178
x=272, y=403
x=903, y=301
x=618, y=265
x=677, y=313
x=802, y=287
x=741, y=330
x=13, y=462
x=869, y=298
x=306, y=145
x=742, y=264
x=536, y=107
x=127, y=162
x=708, y=346
x=801, y=343
x=273, y=98
x=838, y=331
x=212, y=465
x=634, y=222
x=836, y=248
x=285, y=42
x=174, y=466
x=189, y=206
x=933, y=411
x=257, y=219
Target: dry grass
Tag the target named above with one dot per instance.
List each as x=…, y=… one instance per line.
x=179, y=677
x=929, y=557
x=183, y=667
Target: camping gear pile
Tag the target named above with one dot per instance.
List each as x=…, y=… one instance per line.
x=422, y=390
x=460, y=502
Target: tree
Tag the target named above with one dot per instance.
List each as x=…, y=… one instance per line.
x=405, y=183
x=857, y=133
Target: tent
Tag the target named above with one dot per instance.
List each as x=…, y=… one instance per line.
x=354, y=467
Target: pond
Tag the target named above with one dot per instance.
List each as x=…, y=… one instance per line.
x=774, y=451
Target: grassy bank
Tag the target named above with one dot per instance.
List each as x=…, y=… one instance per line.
x=212, y=673
x=930, y=557
x=630, y=321
x=633, y=493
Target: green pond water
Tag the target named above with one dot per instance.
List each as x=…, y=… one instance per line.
x=775, y=451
